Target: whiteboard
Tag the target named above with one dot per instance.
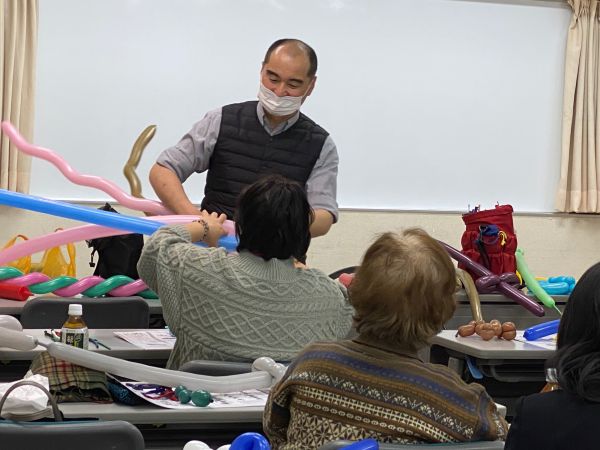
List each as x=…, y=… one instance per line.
x=433, y=104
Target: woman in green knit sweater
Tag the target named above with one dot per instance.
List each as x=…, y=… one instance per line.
x=375, y=386
x=240, y=306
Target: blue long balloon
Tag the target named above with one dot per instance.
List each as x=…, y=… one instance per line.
x=541, y=330
x=90, y=215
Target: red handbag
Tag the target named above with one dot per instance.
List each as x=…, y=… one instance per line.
x=490, y=239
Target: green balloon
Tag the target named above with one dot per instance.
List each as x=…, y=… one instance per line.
x=201, y=398
x=107, y=285
x=52, y=285
x=184, y=396
x=178, y=389
x=9, y=272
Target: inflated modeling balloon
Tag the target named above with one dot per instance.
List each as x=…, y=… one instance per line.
x=96, y=216
x=472, y=294
x=85, y=232
x=560, y=285
x=72, y=175
x=14, y=292
x=10, y=322
x=134, y=159
x=135, y=371
x=541, y=330
x=64, y=286
x=501, y=285
x=250, y=441
x=531, y=283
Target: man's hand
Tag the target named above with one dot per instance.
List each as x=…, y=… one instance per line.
x=322, y=223
x=169, y=189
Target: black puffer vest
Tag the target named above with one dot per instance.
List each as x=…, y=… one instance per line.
x=244, y=152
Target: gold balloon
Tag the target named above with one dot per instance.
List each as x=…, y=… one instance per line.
x=134, y=158
x=471, y=290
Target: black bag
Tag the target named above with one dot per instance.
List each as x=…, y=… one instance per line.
x=117, y=255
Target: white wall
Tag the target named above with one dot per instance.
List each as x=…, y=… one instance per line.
x=434, y=104
x=109, y=68
x=553, y=244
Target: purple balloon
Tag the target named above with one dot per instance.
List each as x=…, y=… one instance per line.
x=503, y=287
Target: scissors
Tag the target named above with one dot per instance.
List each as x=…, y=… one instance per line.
x=52, y=335
x=99, y=344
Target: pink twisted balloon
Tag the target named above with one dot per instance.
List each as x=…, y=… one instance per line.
x=72, y=175
x=78, y=287
x=80, y=233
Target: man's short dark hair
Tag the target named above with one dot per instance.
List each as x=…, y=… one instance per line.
x=273, y=219
x=310, y=53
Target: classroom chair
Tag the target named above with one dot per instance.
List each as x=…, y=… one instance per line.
x=482, y=445
x=58, y=435
x=88, y=435
x=335, y=275
x=216, y=368
x=103, y=312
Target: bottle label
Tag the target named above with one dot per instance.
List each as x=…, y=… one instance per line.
x=77, y=337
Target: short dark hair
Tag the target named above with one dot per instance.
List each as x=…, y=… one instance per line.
x=577, y=356
x=273, y=219
x=310, y=53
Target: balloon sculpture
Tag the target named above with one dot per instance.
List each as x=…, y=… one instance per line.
x=92, y=286
x=267, y=371
x=106, y=224
x=134, y=159
x=490, y=282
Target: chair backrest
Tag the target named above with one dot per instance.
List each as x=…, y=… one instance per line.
x=92, y=435
x=104, y=312
x=216, y=368
x=480, y=445
x=335, y=275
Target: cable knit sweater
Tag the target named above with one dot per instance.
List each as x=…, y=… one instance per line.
x=238, y=307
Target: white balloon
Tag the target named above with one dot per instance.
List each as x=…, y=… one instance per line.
x=275, y=369
x=135, y=371
x=10, y=322
x=16, y=339
x=196, y=445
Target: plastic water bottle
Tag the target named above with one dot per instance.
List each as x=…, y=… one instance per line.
x=74, y=330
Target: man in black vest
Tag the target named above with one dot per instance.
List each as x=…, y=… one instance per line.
x=242, y=142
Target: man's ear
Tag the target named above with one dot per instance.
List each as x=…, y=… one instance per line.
x=311, y=87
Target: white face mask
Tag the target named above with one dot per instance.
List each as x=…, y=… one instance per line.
x=278, y=106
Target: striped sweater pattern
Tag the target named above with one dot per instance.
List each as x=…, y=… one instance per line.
x=350, y=390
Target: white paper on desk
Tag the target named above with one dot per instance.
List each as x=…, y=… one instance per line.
x=149, y=339
x=547, y=342
x=249, y=398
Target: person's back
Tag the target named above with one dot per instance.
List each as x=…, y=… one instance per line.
x=567, y=417
x=350, y=390
x=239, y=307
x=554, y=420
x=254, y=303
x=375, y=386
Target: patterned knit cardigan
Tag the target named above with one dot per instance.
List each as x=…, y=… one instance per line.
x=350, y=390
